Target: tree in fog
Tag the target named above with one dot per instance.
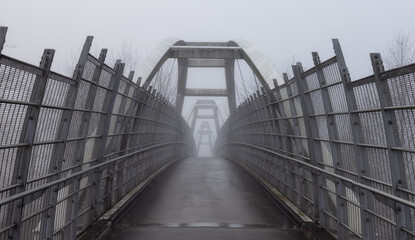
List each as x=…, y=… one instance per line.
x=400, y=50
x=165, y=80
x=128, y=55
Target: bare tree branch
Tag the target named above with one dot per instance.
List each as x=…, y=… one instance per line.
x=400, y=51
x=127, y=54
x=165, y=81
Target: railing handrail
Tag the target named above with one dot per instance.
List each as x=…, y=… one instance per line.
x=74, y=175
x=336, y=176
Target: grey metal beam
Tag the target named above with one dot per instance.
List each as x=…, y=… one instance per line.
x=206, y=92
x=24, y=155
x=355, y=126
x=82, y=131
x=335, y=150
x=397, y=168
x=206, y=63
x=205, y=116
x=216, y=44
x=181, y=83
x=314, y=148
x=206, y=52
x=230, y=84
x=3, y=32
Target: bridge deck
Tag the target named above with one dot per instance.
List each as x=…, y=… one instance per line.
x=205, y=198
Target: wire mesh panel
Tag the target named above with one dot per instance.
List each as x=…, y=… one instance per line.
x=343, y=152
x=70, y=148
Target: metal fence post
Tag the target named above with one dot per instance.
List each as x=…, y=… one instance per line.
x=397, y=174
x=83, y=130
x=268, y=97
x=334, y=147
x=109, y=102
x=28, y=136
x=310, y=128
x=355, y=126
x=3, y=32
x=299, y=150
x=63, y=133
x=120, y=126
x=281, y=126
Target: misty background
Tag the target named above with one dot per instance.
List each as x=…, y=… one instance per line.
x=285, y=32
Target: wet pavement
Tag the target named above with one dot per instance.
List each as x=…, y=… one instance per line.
x=205, y=198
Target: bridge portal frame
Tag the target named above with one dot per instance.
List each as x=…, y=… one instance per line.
x=207, y=55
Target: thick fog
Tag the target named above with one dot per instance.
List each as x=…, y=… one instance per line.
x=285, y=32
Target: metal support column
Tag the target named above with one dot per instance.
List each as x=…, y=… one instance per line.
x=397, y=170
x=183, y=65
x=28, y=136
x=355, y=124
x=109, y=103
x=335, y=150
x=230, y=84
x=83, y=132
x=313, y=147
x=279, y=114
x=3, y=32
x=122, y=137
x=299, y=149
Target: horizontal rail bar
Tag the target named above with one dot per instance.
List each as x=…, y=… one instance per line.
x=72, y=176
x=352, y=182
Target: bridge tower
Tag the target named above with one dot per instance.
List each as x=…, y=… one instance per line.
x=204, y=133
x=205, y=105
x=207, y=55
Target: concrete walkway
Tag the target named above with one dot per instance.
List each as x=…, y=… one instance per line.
x=205, y=198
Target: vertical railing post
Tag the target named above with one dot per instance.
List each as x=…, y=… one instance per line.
x=389, y=121
x=24, y=155
x=355, y=124
x=299, y=151
x=268, y=101
x=3, y=32
x=59, y=151
x=318, y=197
x=79, y=148
x=109, y=103
x=283, y=140
x=341, y=209
x=121, y=125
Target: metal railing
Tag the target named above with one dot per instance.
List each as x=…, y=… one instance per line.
x=70, y=148
x=342, y=151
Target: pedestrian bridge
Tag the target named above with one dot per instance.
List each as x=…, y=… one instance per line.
x=98, y=155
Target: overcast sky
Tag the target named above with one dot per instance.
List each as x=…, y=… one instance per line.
x=280, y=30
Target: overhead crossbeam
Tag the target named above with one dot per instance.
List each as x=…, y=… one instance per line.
x=205, y=105
x=206, y=63
x=206, y=52
x=206, y=92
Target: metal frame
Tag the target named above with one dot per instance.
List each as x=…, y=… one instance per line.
x=360, y=174
x=207, y=54
x=73, y=147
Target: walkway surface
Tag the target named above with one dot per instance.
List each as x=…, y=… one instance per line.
x=205, y=198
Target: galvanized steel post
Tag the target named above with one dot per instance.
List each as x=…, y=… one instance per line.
x=389, y=120
x=3, y=32
x=355, y=124
x=334, y=147
x=24, y=155
x=310, y=128
x=109, y=104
